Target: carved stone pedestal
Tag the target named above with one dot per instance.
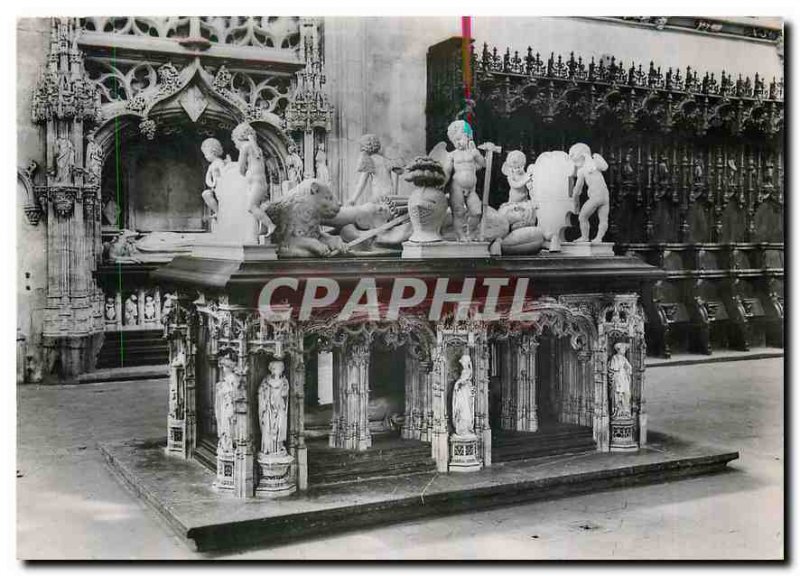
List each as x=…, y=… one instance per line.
x=623, y=435
x=225, y=465
x=587, y=249
x=464, y=456
x=445, y=249
x=276, y=475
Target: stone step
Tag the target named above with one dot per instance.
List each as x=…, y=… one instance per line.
x=504, y=455
x=389, y=456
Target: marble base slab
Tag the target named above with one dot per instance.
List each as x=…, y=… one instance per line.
x=235, y=251
x=445, y=249
x=180, y=490
x=587, y=249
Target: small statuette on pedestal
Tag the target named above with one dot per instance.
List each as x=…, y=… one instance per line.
x=65, y=161
x=464, y=399
x=131, y=310
x=321, y=164
x=275, y=464
x=294, y=168
x=94, y=161
x=622, y=422
x=619, y=373
x=111, y=310
x=272, y=409
x=149, y=308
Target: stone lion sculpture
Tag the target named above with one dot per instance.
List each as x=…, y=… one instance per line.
x=298, y=217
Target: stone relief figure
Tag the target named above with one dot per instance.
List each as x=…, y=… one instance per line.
x=589, y=168
x=212, y=152
x=518, y=180
x=94, y=161
x=321, y=164
x=65, y=160
x=461, y=168
x=131, y=310
x=619, y=374
x=251, y=166
x=464, y=399
x=272, y=409
x=223, y=404
x=149, y=308
x=376, y=172
x=294, y=167
x=179, y=362
x=111, y=309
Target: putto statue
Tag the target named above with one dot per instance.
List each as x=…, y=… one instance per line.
x=589, y=170
x=619, y=374
x=461, y=168
x=251, y=166
x=212, y=151
x=272, y=410
x=464, y=399
x=376, y=172
x=518, y=179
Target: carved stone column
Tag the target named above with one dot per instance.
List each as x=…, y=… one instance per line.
x=66, y=103
x=526, y=417
x=351, y=430
x=440, y=429
x=181, y=418
x=418, y=411
x=482, y=426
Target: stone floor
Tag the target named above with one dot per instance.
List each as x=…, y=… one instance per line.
x=69, y=506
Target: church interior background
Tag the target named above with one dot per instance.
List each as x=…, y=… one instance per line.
x=111, y=115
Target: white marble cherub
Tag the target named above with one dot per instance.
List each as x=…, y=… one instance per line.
x=251, y=165
x=518, y=179
x=589, y=169
x=212, y=151
x=462, y=166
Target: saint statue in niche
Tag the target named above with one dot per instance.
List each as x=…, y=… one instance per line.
x=149, y=308
x=294, y=167
x=94, y=160
x=65, y=160
x=321, y=164
x=111, y=309
x=619, y=374
x=131, y=310
x=464, y=399
x=223, y=405
x=272, y=409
